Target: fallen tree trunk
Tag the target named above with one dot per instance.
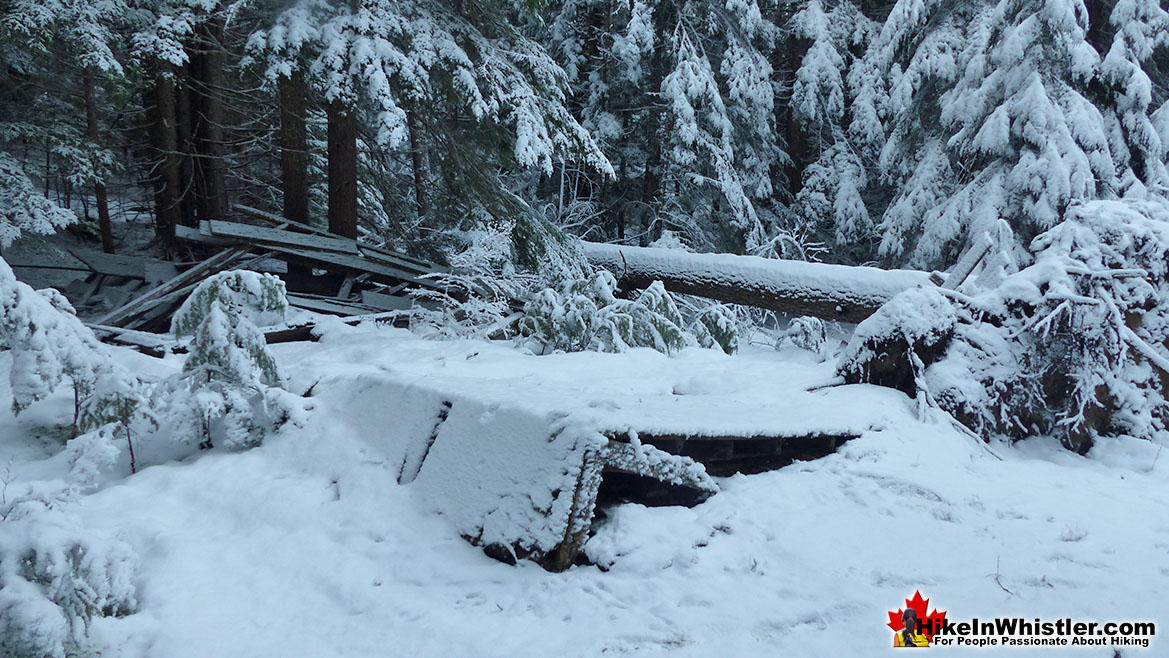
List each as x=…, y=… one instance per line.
x=830, y=292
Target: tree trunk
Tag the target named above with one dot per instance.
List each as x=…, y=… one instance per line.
x=164, y=155
x=99, y=186
x=210, y=135
x=797, y=146
x=419, y=165
x=186, y=109
x=294, y=146
x=342, y=169
x=653, y=140
x=48, y=167
x=831, y=292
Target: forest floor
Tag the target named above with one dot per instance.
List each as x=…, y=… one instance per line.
x=307, y=546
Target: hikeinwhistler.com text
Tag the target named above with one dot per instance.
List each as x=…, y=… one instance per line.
x=1020, y=632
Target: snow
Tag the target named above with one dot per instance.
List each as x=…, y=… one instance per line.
x=308, y=546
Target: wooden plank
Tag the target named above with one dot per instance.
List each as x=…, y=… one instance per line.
x=391, y=290
x=195, y=235
x=298, y=333
x=401, y=260
x=260, y=234
x=347, y=284
x=367, y=250
x=328, y=305
x=131, y=267
x=385, y=302
x=968, y=262
x=150, y=344
x=277, y=219
x=355, y=263
x=158, y=271
x=47, y=262
x=91, y=286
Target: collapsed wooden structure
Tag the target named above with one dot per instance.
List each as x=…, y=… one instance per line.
x=552, y=470
x=322, y=272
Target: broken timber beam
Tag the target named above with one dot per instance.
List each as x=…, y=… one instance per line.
x=831, y=292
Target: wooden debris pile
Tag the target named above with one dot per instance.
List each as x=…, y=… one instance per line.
x=322, y=272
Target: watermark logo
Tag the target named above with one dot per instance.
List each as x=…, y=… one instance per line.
x=916, y=625
x=912, y=625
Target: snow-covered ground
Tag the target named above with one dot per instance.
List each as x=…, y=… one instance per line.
x=307, y=546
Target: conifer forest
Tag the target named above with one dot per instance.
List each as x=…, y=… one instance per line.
x=583, y=327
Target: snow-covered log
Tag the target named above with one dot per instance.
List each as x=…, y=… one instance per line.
x=831, y=292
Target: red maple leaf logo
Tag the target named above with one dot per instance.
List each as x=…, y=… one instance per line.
x=919, y=606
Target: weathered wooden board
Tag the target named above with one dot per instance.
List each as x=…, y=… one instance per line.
x=156, y=345
x=271, y=236
x=195, y=235
x=355, y=263
x=65, y=261
x=328, y=305
x=401, y=260
x=131, y=267
x=394, y=257
x=159, y=271
x=385, y=302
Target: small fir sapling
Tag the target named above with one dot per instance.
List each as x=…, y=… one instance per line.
x=229, y=370
x=119, y=401
x=661, y=326
x=475, y=300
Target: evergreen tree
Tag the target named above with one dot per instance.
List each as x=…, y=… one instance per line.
x=229, y=372
x=682, y=96
x=49, y=344
x=1003, y=110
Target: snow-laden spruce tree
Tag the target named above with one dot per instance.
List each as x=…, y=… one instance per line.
x=68, y=48
x=830, y=198
x=1138, y=53
x=682, y=97
x=56, y=575
x=230, y=390
x=49, y=345
x=23, y=209
x=74, y=43
x=1014, y=109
